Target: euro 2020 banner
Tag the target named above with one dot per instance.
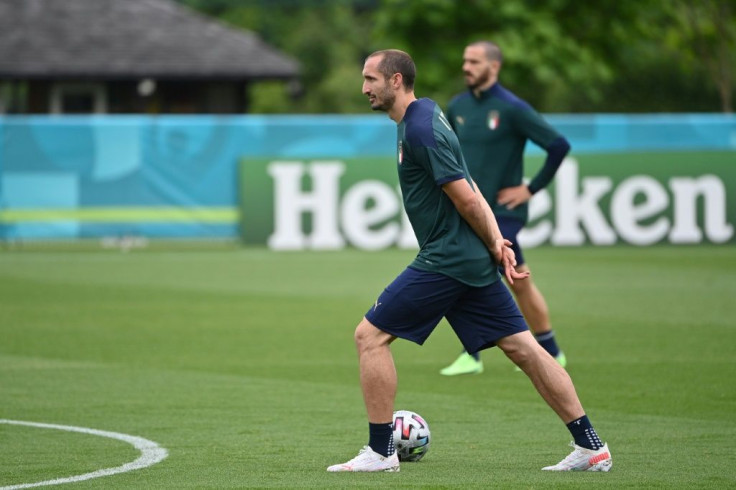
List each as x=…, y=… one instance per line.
x=330, y=181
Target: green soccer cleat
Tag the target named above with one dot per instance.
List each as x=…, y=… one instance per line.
x=465, y=364
x=560, y=358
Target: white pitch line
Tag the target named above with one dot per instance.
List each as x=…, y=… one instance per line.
x=151, y=453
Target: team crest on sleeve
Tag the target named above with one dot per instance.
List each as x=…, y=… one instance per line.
x=493, y=120
x=401, y=153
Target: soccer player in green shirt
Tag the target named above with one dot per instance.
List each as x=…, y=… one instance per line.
x=454, y=275
x=493, y=126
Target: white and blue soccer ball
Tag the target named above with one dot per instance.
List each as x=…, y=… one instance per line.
x=411, y=435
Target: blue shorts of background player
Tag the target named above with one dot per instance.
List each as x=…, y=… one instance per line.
x=510, y=228
x=528, y=296
x=415, y=302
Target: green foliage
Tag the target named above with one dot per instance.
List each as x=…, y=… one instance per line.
x=328, y=39
x=269, y=97
x=702, y=36
x=536, y=52
x=560, y=55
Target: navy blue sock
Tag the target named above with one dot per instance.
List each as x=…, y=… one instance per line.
x=476, y=356
x=547, y=340
x=381, y=438
x=584, y=433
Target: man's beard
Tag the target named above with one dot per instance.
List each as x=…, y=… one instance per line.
x=481, y=80
x=385, y=101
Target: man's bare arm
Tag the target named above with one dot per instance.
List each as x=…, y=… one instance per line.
x=473, y=207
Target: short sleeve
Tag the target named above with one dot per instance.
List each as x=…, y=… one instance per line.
x=444, y=165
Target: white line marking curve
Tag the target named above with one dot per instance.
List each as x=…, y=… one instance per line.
x=151, y=453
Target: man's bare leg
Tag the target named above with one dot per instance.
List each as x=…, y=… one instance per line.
x=548, y=377
x=378, y=378
x=531, y=303
x=378, y=381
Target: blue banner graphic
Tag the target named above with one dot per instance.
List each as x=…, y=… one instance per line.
x=178, y=176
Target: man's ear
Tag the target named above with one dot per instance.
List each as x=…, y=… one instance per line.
x=396, y=80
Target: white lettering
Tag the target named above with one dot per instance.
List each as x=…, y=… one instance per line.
x=572, y=208
x=366, y=215
x=686, y=191
x=539, y=205
x=290, y=202
x=407, y=238
x=626, y=215
x=357, y=219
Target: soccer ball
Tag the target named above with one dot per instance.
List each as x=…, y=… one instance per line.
x=411, y=435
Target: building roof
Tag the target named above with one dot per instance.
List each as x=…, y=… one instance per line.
x=115, y=39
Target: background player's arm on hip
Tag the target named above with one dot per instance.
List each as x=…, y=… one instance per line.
x=513, y=196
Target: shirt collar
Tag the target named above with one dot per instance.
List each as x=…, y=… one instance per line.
x=489, y=92
x=414, y=106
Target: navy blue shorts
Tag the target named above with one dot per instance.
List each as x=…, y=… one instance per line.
x=415, y=302
x=510, y=228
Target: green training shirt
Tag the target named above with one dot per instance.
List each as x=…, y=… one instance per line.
x=493, y=130
x=429, y=156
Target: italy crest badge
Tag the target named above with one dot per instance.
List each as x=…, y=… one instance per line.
x=493, y=119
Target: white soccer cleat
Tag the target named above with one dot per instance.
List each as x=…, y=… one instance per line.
x=368, y=460
x=582, y=459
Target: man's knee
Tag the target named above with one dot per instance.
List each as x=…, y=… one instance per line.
x=367, y=336
x=519, y=347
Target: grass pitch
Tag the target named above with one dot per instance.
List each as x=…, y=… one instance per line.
x=240, y=362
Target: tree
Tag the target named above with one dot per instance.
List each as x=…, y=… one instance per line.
x=704, y=32
x=572, y=56
x=326, y=36
x=560, y=55
x=551, y=55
